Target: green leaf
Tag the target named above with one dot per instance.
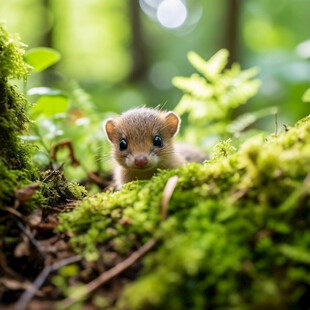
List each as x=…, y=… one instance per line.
x=306, y=96
x=50, y=105
x=295, y=253
x=41, y=58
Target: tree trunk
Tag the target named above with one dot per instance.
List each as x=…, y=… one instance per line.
x=138, y=48
x=231, y=35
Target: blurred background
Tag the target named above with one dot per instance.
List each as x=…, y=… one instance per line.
x=124, y=54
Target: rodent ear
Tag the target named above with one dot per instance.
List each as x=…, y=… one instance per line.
x=109, y=128
x=172, y=122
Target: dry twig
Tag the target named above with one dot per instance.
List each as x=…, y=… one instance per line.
x=27, y=233
x=113, y=272
x=168, y=191
x=13, y=212
x=65, y=144
x=28, y=295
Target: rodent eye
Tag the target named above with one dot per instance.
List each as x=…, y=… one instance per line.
x=123, y=145
x=157, y=141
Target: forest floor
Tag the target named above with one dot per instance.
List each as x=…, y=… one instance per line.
x=29, y=269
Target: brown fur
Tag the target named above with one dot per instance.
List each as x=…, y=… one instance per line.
x=139, y=127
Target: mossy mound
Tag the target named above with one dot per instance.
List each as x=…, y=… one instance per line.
x=16, y=167
x=236, y=236
x=58, y=190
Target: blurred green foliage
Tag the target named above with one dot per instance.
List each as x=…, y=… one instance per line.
x=70, y=115
x=59, y=115
x=41, y=58
x=306, y=96
x=97, y=42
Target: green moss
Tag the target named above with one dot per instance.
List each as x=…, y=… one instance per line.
x=236, y=235
x=16, y=167
x=12, y=50
x=59, y=190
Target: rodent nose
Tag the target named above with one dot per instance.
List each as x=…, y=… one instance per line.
x=141, y=161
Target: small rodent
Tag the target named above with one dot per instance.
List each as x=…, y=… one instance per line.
x=142, y=143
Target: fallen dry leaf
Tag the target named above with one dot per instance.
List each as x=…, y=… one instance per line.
x=168, y=191
x=22, y=248
x=25, y=194
x=13, y=284
x=35, y=218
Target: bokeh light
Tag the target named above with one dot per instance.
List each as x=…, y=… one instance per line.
x=303, y=49
x=171, y=13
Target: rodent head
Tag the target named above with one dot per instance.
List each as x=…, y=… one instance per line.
x=141, y=138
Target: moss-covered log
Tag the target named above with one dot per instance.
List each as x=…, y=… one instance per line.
x=236, y=237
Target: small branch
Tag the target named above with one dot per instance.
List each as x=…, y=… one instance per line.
x=4, y=268
x=168, y=191
x=13, y=212
x=113, y=272
x=25, y=298
x=68, y=144
x=30, y=237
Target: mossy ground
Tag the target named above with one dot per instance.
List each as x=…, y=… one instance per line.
x=236, y=236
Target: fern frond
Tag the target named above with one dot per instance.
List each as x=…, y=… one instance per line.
x=239, y=94
x=212, y=96
x=247, y=119
x=195, y=85
x=198, y=110
x=249, y=73
x=188, y=104
x=212, y=68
